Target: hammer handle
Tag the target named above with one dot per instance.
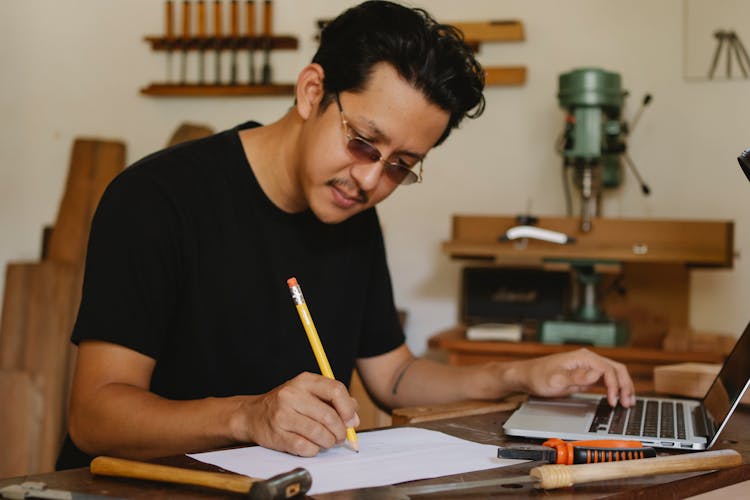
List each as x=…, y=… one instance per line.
x=560, y=476
x=119, y=467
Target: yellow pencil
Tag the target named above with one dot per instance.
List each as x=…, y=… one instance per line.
x=317, y=347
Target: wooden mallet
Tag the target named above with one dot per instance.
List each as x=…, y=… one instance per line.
x=286, y=485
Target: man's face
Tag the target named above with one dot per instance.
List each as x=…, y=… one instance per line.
x=390, y=115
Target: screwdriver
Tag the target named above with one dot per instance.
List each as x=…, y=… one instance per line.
x=557, y=451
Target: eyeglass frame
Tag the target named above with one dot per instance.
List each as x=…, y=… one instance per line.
x=352, y=136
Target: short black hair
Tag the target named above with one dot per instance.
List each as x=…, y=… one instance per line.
x=432, y=57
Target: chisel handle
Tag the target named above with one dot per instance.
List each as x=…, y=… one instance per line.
x=250, y=13
x=186, y=19
x=267, y=17
x=560, y=476
x=284, y=485
x=201, y=18
x=234, y=18
x=169, y=19
x=217, y=18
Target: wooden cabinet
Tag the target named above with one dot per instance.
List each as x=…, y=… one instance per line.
x=649, y=259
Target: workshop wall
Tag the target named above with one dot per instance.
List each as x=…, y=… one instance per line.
x=73, y=68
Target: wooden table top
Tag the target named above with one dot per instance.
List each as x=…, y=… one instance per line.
x=481, y=428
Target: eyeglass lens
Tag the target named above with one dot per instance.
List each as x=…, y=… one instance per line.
x=367, y=152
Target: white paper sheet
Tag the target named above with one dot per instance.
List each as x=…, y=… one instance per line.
x=386, y=457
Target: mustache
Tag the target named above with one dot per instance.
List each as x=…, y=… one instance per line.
x=348, y=186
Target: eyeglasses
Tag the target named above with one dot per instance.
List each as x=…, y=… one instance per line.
x=398, y=170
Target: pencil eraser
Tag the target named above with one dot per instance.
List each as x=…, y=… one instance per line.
x=291, y=282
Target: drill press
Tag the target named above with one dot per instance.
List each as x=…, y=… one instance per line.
x=592, y=145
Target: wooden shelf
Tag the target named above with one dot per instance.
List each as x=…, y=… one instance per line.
x=477, y=33
x=189, y=90
x=492, y=31
x=238, y=44
x=275, y=42
x=505, y=75
x=692, y=243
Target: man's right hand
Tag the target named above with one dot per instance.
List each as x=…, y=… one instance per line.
x=113, y=412
x=302, y=416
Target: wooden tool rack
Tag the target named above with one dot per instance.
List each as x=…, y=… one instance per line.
x=222, y=44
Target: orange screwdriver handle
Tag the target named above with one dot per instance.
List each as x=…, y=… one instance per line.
x=595, y=451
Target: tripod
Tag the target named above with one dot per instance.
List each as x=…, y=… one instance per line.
x=734, y=47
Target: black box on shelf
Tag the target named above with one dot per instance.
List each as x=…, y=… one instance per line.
x=494, y=299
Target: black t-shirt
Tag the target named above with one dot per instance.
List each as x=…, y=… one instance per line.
x=188, y=261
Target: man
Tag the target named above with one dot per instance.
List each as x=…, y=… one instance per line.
x=188, y=336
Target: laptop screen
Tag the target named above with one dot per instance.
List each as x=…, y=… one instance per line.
x=729, y=384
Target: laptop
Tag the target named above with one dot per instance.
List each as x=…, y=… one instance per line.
x=659, y=422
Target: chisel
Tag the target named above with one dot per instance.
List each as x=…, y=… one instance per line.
x=202, y=41
x=267, y=16
x=250, y=12
x=561, y=476
x=185, y=40
x=169, y=35
x=217, y=40
x=286, y=485
x=234, y=26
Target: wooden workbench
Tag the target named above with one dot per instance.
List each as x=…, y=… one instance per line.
x=485, y=428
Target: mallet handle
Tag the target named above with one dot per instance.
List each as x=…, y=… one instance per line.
x=560, y=476
x=285, y=485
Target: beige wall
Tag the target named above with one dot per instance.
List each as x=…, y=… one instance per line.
x=73, y=68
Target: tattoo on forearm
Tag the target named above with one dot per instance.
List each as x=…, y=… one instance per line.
x=401, y=375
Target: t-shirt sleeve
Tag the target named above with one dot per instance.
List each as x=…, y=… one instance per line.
x=382, y=329
x=131, y=275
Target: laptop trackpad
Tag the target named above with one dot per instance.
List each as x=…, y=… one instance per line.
x=563, y=415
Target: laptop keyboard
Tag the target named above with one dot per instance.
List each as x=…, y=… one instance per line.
x=648, y=418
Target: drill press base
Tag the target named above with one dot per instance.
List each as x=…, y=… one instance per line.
x=604, y=333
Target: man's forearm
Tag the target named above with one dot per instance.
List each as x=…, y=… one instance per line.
x=421, y=381
x=131, y=422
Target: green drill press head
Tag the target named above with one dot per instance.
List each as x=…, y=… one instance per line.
x=594, y=133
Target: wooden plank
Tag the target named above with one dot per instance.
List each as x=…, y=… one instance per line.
x=505, y=75
x=21, y=411
x=93, y=164
x=188, y=132
x=42, y=298
x=416, y=414
x=492, y=31
x=52, y=299
x=694, y=243
x=14, y=316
